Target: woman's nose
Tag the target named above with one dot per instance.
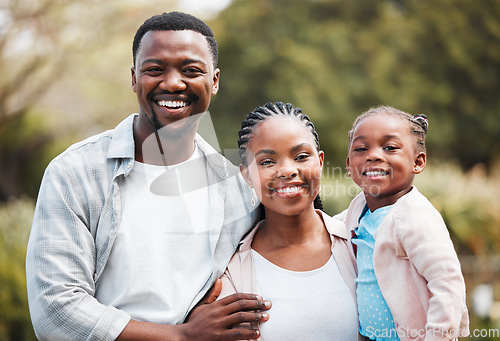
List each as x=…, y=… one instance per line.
x=287, y=171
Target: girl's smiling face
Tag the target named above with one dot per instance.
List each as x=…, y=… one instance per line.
x=284, y=165
x=383, y=159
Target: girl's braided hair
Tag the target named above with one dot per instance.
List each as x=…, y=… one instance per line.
x=418, y=123
x=259, y=115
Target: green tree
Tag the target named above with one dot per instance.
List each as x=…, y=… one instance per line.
x=59, y=62
x=335, y=59
x=15, y=220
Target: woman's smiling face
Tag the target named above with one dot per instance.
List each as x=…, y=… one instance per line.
x=284, y=165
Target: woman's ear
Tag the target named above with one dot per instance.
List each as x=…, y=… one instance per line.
x=321, y=155
x=246, y=175
x=419, y=164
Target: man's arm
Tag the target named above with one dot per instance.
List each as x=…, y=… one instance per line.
x=208, y=321
x=216, y=321
x=61, y=259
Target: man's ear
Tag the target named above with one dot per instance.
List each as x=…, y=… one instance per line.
x=246, y=175
x=420, y=162
x=215, y=86
x=134, y=80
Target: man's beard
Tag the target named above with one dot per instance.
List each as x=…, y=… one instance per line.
x=177, y=130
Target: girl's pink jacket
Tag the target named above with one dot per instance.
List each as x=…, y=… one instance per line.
x=417, y=269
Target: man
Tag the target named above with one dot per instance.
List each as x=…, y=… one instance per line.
x=120, y=248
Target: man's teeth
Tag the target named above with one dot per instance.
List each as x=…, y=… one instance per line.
x=288, y=190
x=375, y=173
x=172, y=104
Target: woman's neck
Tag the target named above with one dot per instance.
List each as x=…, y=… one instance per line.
x=297, y=243
x=281, y=230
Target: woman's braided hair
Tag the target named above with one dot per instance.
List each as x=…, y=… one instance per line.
x=259, y=115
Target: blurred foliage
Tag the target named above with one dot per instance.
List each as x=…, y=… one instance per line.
x=59, y=80
x=66, y=75
x=15, y=222
x=66, y=67
x=336, y=58
x=468, y=203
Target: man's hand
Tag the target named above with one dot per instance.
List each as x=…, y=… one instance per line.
x=223, y=319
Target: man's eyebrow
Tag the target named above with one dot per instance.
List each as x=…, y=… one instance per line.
x=184, y=62
x=152, y=60
x=190, y=61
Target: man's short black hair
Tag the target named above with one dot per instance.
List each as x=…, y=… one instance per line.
x=176, y=21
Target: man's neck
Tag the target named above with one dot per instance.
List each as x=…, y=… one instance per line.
x=153, y=148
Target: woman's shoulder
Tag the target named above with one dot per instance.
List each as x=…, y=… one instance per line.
x=334, y=225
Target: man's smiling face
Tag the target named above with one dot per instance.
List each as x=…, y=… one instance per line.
x=174, y=78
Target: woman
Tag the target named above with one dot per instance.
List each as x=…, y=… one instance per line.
x=298, y=257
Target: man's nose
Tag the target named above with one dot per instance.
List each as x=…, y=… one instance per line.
x=173, y=81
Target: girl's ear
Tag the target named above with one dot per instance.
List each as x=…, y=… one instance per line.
x=321, y=155
x=246, y=175
x=419, y=164
x=347, y=167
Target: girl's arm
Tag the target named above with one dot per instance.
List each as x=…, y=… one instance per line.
x=421, y=236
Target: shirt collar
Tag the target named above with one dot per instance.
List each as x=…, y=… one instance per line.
x=334, y=226
x=123, y=147
x=122, y=140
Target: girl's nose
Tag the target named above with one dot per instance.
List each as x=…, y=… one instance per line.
x=374, y=154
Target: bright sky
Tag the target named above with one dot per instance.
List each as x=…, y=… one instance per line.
x=203, y=8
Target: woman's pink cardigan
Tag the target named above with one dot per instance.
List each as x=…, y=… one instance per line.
x=417, y=269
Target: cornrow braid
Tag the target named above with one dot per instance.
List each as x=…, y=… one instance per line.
x=259, y=115
x=418, y=123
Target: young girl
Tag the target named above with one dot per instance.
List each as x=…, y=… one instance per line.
x=409, y=285
x=298, y=257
